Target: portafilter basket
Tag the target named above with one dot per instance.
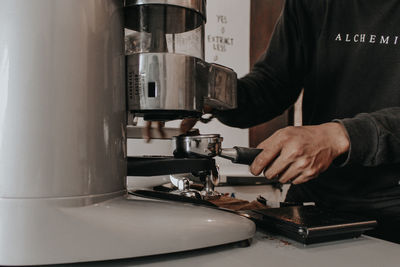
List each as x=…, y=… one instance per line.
x=208, y=145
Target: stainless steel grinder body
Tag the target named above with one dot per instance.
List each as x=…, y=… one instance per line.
x=167, y=77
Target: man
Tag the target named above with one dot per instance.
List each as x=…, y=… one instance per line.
x=346, y=56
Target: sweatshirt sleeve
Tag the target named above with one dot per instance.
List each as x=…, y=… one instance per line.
x=277, y=78
x=374, y=137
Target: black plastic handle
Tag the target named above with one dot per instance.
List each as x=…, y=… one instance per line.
x=246, y=155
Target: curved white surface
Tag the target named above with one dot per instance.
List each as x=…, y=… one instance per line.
x=37, y=232
x=136, y=182
x=62, y=97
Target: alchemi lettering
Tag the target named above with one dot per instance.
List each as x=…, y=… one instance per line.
x=367, y=38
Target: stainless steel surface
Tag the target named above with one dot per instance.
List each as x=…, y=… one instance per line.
x=211, y=180
x=172, y=82
x=228, y=153
x=204, y=146
x=168, y=29
x=167, y=76
x=196, y=5
x=180, y=181
x=222, y=88
x=162, y=19
x=163, y=81
x=208, y=190
x=192, y=194
x=199, y=145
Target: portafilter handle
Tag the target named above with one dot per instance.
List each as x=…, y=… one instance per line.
x=240, y=155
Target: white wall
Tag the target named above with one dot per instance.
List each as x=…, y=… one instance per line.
x=229, y=19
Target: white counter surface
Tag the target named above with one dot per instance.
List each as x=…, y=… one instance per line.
x=267, y=250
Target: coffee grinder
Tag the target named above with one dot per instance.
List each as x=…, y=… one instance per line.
x=63, y=118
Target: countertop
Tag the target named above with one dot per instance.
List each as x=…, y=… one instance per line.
x=269, y=250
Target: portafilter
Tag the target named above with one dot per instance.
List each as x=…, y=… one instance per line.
x=209, y=145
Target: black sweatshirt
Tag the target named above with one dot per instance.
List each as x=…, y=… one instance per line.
x=346, y=56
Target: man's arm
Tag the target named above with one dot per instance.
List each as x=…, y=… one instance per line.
x=299, y=154
x=276, y=80
x=374, y=137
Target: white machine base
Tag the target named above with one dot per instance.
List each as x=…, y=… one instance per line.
x=70, y=230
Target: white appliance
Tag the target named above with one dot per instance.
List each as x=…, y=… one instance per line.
x=62, y=145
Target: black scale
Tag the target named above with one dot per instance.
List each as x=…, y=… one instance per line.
x=310, y=224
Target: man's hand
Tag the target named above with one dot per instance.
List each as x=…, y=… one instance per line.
x=186, y=125
x=189, y=123
x=147, y=130
x=299, y=154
